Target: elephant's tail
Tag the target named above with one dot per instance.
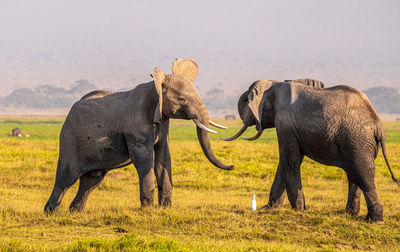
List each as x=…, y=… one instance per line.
x=382, y=141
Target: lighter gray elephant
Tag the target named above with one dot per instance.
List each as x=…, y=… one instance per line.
x=335, y=126
x=107, y=130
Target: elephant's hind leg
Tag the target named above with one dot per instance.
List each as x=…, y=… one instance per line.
x=65, y=178
x=363, y=174
x=375, y=209
x=87, y=183
x=353, y=200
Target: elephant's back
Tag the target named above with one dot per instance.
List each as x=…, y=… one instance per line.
x=94, y=112
x=341, y=117
x=308, y=82
x=102, y=108
x=354, y=101
x=96, y=94
x=359, y=124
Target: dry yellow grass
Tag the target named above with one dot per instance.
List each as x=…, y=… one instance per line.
x=211, y=208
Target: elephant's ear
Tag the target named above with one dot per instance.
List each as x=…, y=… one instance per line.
x=159, y=78
x=186, y=67
x=255, y=98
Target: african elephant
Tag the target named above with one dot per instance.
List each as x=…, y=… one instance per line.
x=334, y=126
x=106, y=130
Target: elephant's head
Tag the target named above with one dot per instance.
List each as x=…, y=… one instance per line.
x=178, y=98
x=255, y=108
x=256, y=105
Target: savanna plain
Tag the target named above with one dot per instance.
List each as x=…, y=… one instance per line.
x=210, y=207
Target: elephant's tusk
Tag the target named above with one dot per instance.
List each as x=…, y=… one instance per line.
x=259, y=133
x=241, y=131
x=217, y=125
x=201, y=126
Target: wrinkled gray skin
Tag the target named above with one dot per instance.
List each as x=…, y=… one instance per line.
x=106, y=130
x=335, y=126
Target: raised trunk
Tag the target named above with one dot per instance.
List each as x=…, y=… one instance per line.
x=206, y=146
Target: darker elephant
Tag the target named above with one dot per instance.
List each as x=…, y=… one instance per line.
x=334, y=126
x=107, y=130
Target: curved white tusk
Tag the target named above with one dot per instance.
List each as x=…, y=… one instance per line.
x=217, y=125
x=201, y=126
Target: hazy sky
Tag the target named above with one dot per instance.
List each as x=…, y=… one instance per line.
x=116, y=44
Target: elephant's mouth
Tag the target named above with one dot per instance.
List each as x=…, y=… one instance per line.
x=183, y=113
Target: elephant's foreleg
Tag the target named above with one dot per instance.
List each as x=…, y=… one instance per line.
x=353, y=200
x=162, y=169
x=144, y=167
x=87, y=183
x=141, y=152
x=276, y=195
x=66, y=176
x=290, y=161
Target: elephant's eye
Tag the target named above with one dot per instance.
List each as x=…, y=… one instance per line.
x=181, y=99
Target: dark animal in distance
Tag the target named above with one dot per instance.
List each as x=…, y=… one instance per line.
x=16, y=132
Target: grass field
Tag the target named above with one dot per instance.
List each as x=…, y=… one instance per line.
x=211, y=208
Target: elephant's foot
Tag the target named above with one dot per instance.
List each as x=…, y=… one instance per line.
x=76, y=207
x=353, y=211
x=297, y=201
x=376, y=217
x=166, y=202
x=270, y=206
x=275, y=203
x=54, y=202
x=266, y=207
x=375, y=208
x=147, y=202
x=51, y=208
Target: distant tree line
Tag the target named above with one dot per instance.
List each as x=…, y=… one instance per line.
x=47, y=96
x=384, y=99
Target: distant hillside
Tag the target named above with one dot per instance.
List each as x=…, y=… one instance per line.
x=219, y=103
x=47, y=97
x=384, y=99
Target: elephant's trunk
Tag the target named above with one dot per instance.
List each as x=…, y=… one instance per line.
x=206, y=146
x=202, y=124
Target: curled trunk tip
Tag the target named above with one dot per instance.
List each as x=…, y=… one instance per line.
x=206, y=147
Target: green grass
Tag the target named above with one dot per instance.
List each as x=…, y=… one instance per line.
x=211, y=207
